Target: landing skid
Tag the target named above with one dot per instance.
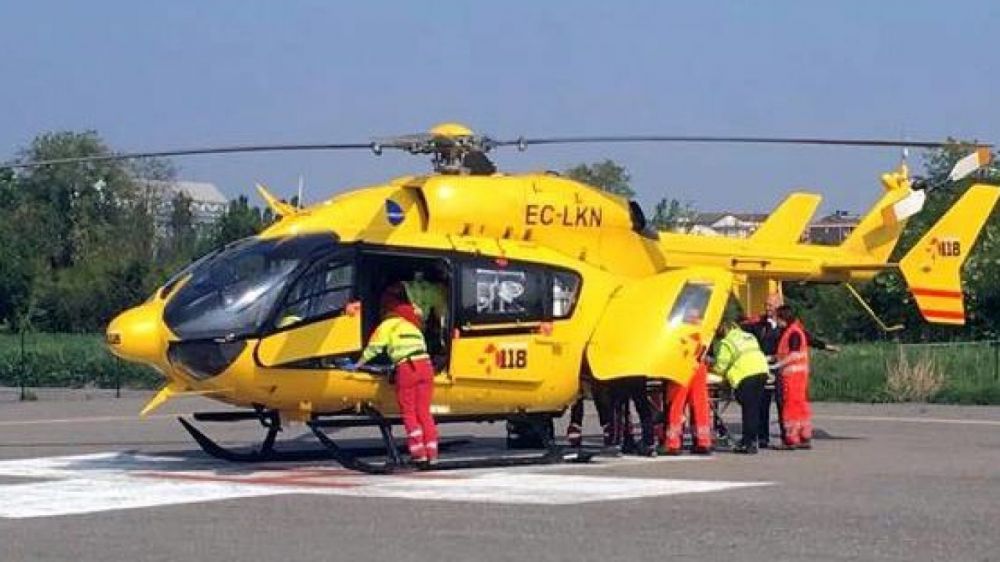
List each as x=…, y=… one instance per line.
x=352, y=458
x=553, y=455
x=263, y=454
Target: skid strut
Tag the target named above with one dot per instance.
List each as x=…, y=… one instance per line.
x=352, y=458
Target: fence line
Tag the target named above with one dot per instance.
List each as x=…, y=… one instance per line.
x=955, y=372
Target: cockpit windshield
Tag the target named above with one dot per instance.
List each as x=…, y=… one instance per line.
x=231, y=294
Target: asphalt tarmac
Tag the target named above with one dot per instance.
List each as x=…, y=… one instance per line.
x=82, y=478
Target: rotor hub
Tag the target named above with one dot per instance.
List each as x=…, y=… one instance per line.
x=453, y=147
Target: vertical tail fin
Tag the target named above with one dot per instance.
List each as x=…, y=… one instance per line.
x=878, y=232
x=932, y=268
x=786, y=223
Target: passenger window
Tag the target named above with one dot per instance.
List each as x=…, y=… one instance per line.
x=565, y=288
x=324, y=290
x=691, y=304
x=500, y=294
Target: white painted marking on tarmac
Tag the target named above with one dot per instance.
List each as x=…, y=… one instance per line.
x=540, y=489
x=113, y=481
x=87, y=495
x=908, y=420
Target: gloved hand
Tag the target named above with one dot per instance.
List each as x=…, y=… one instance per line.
x=350, y=366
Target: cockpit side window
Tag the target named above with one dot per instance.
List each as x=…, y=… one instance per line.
x=689, y=308
x=231, y=294
x=324, y=290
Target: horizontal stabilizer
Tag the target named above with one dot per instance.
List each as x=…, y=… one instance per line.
x=932, y=268
x=787, y=223
x=860, y=266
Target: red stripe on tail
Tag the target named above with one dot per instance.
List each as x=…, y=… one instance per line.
x=949, y=314
x=920, y=292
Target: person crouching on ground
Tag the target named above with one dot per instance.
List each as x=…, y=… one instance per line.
x=739, y=359
x=399, y=337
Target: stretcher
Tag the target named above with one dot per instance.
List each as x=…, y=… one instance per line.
x=720, y=397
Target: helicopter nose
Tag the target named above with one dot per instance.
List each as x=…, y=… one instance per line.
x=137, y=335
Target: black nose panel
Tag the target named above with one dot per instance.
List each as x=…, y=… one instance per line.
x=204, y=359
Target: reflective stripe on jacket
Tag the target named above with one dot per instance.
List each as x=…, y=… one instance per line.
x=738, y=356
x=795, y=362
x=397, y=337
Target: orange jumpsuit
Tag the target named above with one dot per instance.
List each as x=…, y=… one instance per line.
x=678, y=397
x=794, y=361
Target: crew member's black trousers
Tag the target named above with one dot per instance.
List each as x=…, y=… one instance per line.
x=601, y=393
x=766, y=396
x=748, y=394
x=634, y=389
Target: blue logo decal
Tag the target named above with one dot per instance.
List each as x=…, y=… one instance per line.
x=393, y=212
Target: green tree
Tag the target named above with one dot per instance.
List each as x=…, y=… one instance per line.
x=239, y=221
x=181, y=235
x=83, y=232
x=671, y=214
x=607, y=175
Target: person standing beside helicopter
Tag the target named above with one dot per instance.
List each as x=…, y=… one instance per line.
x=768, y=332
x=765, y=328
x=738, y=358
x=399, y=337
x=676, y=399
x=792, y=361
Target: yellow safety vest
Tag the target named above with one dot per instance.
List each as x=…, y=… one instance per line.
x=398, y=338
x=738, y=356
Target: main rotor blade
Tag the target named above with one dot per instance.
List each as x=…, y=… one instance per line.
x=192, y=151
x=731, y=140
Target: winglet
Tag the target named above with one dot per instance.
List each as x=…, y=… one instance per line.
x=932, y=268
x=279, y=207
x=786, y=223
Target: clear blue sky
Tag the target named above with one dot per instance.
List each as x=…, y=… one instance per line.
x=171, y=74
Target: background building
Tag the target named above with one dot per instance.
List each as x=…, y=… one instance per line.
x=832, y=229
x=207, y=202
x=829, y=230
x=733, y=225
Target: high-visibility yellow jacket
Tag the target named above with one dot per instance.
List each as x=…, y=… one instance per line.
x=398, y=338
x=737, y=356
x=428, y=296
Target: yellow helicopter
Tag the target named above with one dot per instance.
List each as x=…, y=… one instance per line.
x=546, y=279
